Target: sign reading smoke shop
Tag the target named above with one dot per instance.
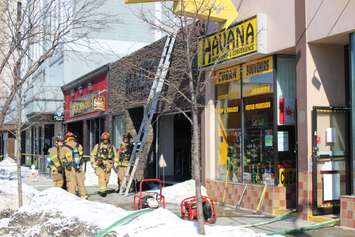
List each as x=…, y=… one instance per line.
x=87, y=104
x=244, y=38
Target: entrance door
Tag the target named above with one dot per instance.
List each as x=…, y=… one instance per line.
x=330, y=158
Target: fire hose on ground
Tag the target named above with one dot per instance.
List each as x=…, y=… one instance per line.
x=272, y=220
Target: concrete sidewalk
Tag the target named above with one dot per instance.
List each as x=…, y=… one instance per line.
x=236, y=217
x=225, y=215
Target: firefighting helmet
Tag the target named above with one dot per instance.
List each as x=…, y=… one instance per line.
x=105, y=136
x=59, y=139
x=127, y=136
x=69, y=135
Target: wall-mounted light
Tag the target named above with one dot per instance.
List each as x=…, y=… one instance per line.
x=90, y=86
x=80, y=89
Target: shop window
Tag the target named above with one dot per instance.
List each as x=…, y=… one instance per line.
x=228, y=101
x=258, y=140
x=245, y=150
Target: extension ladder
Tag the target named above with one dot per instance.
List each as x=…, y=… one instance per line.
x=149, y=111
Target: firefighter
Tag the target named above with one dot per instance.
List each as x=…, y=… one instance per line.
x=55, y=164
x=72, y=158
x=122, y=159
x=101, y=159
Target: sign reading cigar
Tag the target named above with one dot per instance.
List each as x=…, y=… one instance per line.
x=244, y=38
x=87, y=104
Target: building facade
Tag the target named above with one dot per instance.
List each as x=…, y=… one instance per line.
x=124, y=86
x=278, y=116
x=42, y=93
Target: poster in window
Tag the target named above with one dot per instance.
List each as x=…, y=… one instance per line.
x=282, y=141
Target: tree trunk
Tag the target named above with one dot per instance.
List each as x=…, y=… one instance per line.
x=18, y=87
x=197, y=168
x=18, y=145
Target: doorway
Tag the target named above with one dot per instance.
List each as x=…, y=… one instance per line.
x=330, y=158
x=174, y=148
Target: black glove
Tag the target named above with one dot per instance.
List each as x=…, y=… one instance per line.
x=60, y=170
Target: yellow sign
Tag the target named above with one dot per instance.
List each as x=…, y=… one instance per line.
x=233, y=42
x=99, y=103
x=260, y=90
x=264, y=105
x=87, y=104
x=287, y=176
x=258, y=67
x=233, y=109
x=227, y=75
x=214, y=10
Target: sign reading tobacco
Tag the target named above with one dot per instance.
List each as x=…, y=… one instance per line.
x=236, y=41
x=87, y=104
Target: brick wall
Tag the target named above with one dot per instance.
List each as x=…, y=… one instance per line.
x=347, y=211
x=276, y=198
x=129, y=83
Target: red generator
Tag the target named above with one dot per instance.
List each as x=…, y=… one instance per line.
x=149, y=199
x=188, y=208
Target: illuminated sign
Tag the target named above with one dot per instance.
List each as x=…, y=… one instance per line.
x=87, y=104
x=260, y=90
x=227, y=75
x=264, y=105
x=244, y=38
x=233, y=109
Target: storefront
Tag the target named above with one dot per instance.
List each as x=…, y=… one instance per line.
x=254, y=118
x=38, y=135
x=86, y=107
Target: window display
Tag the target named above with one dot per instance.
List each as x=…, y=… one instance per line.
x=252, y=162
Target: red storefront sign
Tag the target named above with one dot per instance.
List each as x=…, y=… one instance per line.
x=86, y=99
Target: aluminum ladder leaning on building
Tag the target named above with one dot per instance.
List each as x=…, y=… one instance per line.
x=149, y=111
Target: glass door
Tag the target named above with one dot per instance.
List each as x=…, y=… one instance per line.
x=330, y=158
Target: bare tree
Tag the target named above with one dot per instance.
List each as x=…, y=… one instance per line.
x=33, y=31
x=185, y=68
x=190, y=26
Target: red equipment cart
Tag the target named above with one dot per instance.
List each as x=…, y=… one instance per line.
x=140, y=199
x=188, y=208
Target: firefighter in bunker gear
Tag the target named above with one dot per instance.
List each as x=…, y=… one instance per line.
x=101, y=159
x=72, y=158
x=122, y=158
x=55, y=164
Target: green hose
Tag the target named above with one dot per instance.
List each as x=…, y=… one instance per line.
x=306, y=228
x=122, y=220
x=272, y=220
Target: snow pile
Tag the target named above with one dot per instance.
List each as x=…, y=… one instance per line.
x=176, y=193
x=57, y=200
x=92, y=180
x=9, y=197
x=162, y=222
x=8, y=187
x=8, y=169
